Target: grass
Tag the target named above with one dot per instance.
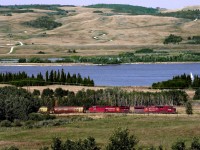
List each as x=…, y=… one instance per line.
x=150, y=130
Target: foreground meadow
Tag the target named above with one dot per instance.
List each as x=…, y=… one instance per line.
x=149, y=129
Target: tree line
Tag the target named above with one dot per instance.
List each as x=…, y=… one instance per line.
x=187, y=14
x=51, y=77
x=179, y=82
x=121, y=8
x=110, y=97
x=17, y=103
x=131, y=57
x=143, y=55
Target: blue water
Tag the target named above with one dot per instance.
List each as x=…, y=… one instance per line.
x=117, y=75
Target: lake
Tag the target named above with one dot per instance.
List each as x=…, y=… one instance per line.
x=117, y=75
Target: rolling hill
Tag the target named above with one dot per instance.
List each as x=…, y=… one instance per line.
x=83, y=29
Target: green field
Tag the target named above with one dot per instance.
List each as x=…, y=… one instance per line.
x=150, y=130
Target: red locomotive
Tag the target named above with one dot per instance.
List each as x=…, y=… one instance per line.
x=109, y=109
x=155, y=109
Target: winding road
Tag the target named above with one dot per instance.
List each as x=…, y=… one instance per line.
x=12, y=48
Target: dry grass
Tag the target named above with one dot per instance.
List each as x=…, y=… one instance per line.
x=84, y=29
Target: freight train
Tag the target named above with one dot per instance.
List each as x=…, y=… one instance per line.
x=109, y=109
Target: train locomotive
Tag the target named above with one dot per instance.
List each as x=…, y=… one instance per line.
x=155, y=109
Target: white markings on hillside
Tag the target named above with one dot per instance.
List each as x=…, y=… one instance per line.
x=12, y=48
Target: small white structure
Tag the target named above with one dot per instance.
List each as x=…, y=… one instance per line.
x=191, y=76
x=196, y=19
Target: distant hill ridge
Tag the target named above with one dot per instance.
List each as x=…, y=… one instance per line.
x=122, y=8
x=192, y=7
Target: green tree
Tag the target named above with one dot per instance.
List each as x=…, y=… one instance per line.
x=189, y=109
x=120, y=140
x=47, y=76
x=16, y=103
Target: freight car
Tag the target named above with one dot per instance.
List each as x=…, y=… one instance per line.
x=62, y=109
x=155, y=109
x=67, y=109
x=109, y=109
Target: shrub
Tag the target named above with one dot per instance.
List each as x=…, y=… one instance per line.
x=36, y=92
x=97, y=11
x=40, y=117
x=145, y=50
x=22, y=60
x=195, y=145
x=17, y=123
x=44, y=148
x=189, y=109
x=5, y=123
x=12, y=148
x=86, y=144
x=120, y=140
x=173, y=39
x=40, y=52
x=179, y=145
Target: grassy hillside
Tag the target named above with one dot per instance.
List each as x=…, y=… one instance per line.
x=150, y=130
x=133, y=10
x=88, y=32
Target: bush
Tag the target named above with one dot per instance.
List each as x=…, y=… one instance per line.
x=5, y=123
x=189, y=109
x=86, y=144
x=40, y=117
x=12, y=148
x=195, y=145
x=36, y=92
x=22, y=60
x=120, y=140
x=145, y=50
x=17, y=123
x=179, y=145
x=173, y=39
x=97, y=11
x=40, y=52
